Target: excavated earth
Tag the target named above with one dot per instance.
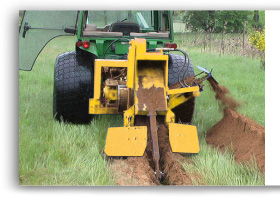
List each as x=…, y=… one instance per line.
x=241, y=135
x=244, y=137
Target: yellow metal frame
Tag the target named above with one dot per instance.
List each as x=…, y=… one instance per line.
x=183, y=138
x=183, y=90
x=137, y=52
x=154, y=76
x=126, y=141
x=130, y=140
x=95, y=107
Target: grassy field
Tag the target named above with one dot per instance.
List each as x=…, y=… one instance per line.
x=52, y=153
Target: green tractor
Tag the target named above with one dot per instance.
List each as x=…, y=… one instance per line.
x=121, y=65
x=100, y=35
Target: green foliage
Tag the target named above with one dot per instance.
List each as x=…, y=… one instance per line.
x=257, y=39
x=223, y=21
x=258, y=20
x=200, y=20
x=231, y=21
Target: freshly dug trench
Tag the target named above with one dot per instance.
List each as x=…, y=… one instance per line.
x=235, y=130
x=140, y=170
x=173, y=170
x=134, y=171
x=169, y=162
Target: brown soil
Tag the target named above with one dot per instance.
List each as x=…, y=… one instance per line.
x=235, y=130
x=134, y=171
x=243, y=134
x=151, y=99
x=223, y=95
x=173, y=170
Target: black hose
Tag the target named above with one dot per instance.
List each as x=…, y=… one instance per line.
x=186, y=57
x=112, y=44
x=186, y=70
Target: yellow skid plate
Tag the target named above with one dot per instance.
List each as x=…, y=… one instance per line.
x=183, y=138
x=126, y=141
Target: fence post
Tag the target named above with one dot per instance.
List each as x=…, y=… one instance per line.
x=182, y=38
x=210, y=41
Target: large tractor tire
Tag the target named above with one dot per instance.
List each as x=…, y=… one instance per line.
x=73, y=86
x=184, y=112
x=175, y=62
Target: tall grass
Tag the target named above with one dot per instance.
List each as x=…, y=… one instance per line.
x=215, y=168
x=53, y=153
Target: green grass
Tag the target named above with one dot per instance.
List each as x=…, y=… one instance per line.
x=52, y=153
x=246, y=82
x=215, y=168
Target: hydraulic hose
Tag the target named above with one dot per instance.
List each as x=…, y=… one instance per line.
x=112, y=44
x=181, y=69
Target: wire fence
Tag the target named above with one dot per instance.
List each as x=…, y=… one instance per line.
x=218, y=43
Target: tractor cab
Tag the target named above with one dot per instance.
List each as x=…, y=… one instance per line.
x=95, y=31
x=136, y=23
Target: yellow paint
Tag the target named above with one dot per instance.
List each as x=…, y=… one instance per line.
x=153, y=76
x=183, y=90
x=169, y=117
x=131, y=64
x=183, y=138
x=196, y=93
x=128, y=117
x=145, y=107
x=110, y=93
x=99, y=63
x=176, y=100
x=126, y=141
x=95, y=107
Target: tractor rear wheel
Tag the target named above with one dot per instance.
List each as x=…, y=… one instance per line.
x=73, y=86
x=175, y=62
x=184, y=112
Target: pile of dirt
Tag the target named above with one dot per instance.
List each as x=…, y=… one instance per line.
x=245, y=137
x=243, y=134
x=235, y=130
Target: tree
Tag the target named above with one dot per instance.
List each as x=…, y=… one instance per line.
x=231, y=21
x=220, y=20
x=200, y=20
x=256, y=24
